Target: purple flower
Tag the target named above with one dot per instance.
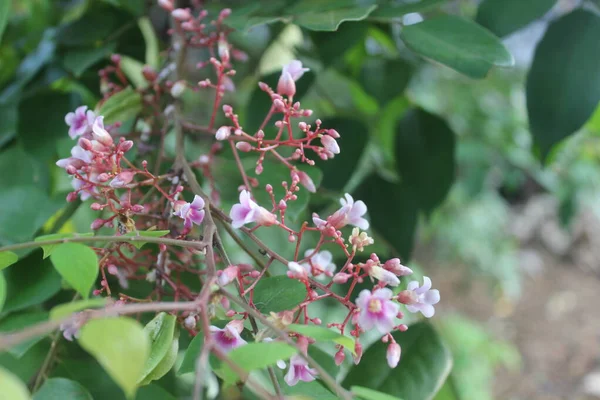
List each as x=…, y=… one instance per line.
x=320, y=264
x=350, y=213
x=228, y=338
x=247, y=211
x=299, y=371
x=424, y=298
x=80, y=122
x=377, y=310
x=191, y=213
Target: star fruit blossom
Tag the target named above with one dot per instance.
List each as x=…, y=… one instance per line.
x=191, y=213
x=80, y=122
x=228, y=338
x=290, y=73
x=320, y=264
x=377, y=310
x=351, y=213
x=299, y=371
x=423, y=298
x=247, y=211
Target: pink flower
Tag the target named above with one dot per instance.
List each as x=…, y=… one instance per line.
x=294, y=68
x=377, y=310
x=228, y=275
x=228, y=338
x=79, y=158
x=247, y=211
x=320, y=264
x=122, y=179
x=101, y=134
x=299, y=371
x=424, y=298
x=382, y=275
x=394, y=265
x=393, y=354
x=80, y=122
x=191, y=213
x=350, y=213
x=297, y=271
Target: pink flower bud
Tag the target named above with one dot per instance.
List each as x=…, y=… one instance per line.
x=286, y=85
x=330, y=144
x=96, y=206
x=115, y=58
x=302, y=126
x=358, y=349
x=340, y=356
x=243, y=146
x=307, y=182
x=278, y=104
x=112, y=269
x=227, y=109
x=282, y=204
x=259, y=169
x=138, y=208
x=341, y=278
x=149, y=73
x=239, y=55
x=226, y=12
x=393, y=354
x=122, y=179
x=98, y=223
x=230, y=313
x=181, y=14
x=72, y=197
x=263, y=86
x=228, y=275
x=166, y=4
x=223, y=133
x=333, y=133
x=103, y=177
x=223, y=48
x=85, y=144
x=407, y=297
x=71, y=170
x=396, y=267
x=100, y=134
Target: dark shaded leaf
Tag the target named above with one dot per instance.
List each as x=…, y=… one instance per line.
x=391, y=12
x=458, y=43
x=385, y=79
x=503, y=17
x=19, y=321
x=563, y=85
x=331, y=46
x=62, y=388
x=79, y=60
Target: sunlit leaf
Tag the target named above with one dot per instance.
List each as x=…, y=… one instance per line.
x=7, y=258
x=323, y=334
x=64, y=310
x=12, y=387
x=49, y=248
x=61, y=389
x=78, y=265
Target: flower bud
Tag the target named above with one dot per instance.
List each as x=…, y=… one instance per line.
x=137, y=208
x=330, y=144
x=227, y=109
x=341, y=278
x=149, y=73
x=243, y=146
x=100, y=134
x=333, y=133
x=122, y=179
x=125, y=146
x=178, y=89
x=394, y=266
x=228, y=275
x=223, y=49
x=71, y=170
x=407, y=297
x=286, y=85
x=223, y=133
x=393, y=354
x=307, y=182
x=278, y=104
x=166, y=4
x=98, y=223
x=72, y=197
x=340, y=356
x=358, y=349
x=96, y=206
x=103, y=177
x=181, y=14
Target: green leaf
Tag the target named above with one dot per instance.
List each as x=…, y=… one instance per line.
x=393, y=211
x=12, y=387
x=331, y=46
x=132, y=69
x=25, y=169
x=391, y=12
x=330, y=20
x=23, y=291
x=7, y=258
x=425, y=156
x=160, y=331
x=457, y=43
x=18, y=321
x=62, y=388
x=79, y=60
x=563, y=84
x=8, y=123
x=2, y=290
x=49, y=248
x=154, y=234
x=503, y=17
x=63, y=310
x=309, y=391
x=152, y=48
x=153, y=392
x=122, y=106
x=370, y=394
x=191, y=354
x=4, y=13
x=321, y=334
x=385, y=79
x=121, y=346
x=255, y=356
x=424, y=365
x=78, y=265
x=278, y=293
x=354, y=137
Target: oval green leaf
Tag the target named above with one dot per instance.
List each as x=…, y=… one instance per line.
x=49, y=248
x=563, y=85
x=278, y=293
x=7, y=258
x=503, y=17
x=160, y=331
x=458, y=43
x=424, y=365
x=121, y=346
x=12, y=387
x=61, y=389
x=78, y=265
x=191, y=354
x=124, y=105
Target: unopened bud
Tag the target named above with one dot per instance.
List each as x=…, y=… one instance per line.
x=330, y=144
x=125, y=146
x=286, y=85
x=333, y=133
x=393, y=354
x=243, y=146
x=137, y=208
x=166, y=4
x=223, y=133
x=96, y=206
x=178, y=89
x=149, y=73
x=98, y=223
x=181, y=14
x=103, y=177
x=278, y=104
x=358, y=349
x=71, y=170
x=340, y=356
x=407, y=297
x=85, y=144
x=341, y=278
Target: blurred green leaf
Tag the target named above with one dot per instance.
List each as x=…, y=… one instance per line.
x=503, y=17
x=4, y=14
x=458, y=43
x=153, y=392
x=153, y=234
x=395, y=10
x=330, y=19
x=331, y=46
x=370, y=394
x=253, y=356
x=26, y=366
x=160, y=330
x=191, y=354
x=323, y=334
x=78, y=265
x=12, y=387
x=18, y=321
x=61, y=388
x=132, y=69
x=49, y=248
x=424, y=366
x=122, y=106
x=354, y=137
x=79, y=60
x=63, y=310
x=385, y=79
x=7, y=258
x=152, y=47
x=278, y=293
x=2, y=291
x=425, y=156
x=121, y=346
x=23, y=291
x=393, y=212
x=568, y=57
x=25, y=169
x=92, y=29
x=8, y=123
x=309, y=390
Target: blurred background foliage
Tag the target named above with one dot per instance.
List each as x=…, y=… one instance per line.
x=445, y=160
